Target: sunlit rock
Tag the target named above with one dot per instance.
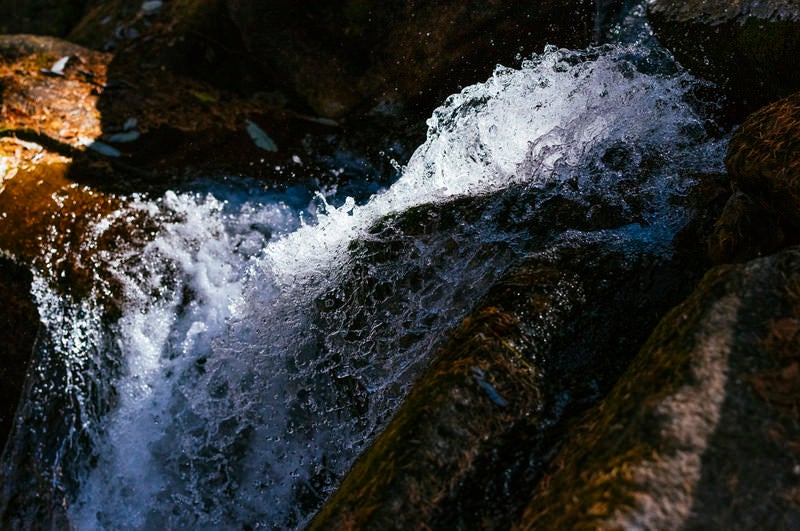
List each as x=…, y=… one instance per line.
x=178, y=120
x=701, y=432
x=748, y=47
x=45, y=213
x=764, y=165
x=60, y=108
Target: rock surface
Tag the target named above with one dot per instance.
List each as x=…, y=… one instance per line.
x=763, y=162
x=702, y=430
x=19, y=319
x=749, y=47
x=359, y=54
x=42, y=17
x=480, y=422
x=764, y=159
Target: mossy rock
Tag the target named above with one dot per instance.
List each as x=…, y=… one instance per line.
x=701, y=432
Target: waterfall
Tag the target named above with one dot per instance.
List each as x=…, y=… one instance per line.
x=265, y=336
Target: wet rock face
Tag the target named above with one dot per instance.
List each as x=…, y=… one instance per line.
x=476, y=429
x=764, y=159
x=19, y=318
x=763, y=162
x=354, y=54
x=748, y=47
x=702, y=430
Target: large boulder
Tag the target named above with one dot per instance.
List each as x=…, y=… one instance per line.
x=763, y=162
x=749, y=47
x=477, y=427
x=356, y=54
x=702, y=430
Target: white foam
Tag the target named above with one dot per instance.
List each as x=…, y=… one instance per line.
x=519, y=126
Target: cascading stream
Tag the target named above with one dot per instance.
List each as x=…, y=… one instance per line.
x=261, y=346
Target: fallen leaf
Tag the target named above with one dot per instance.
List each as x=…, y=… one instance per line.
x=58, y=67
x=260, y=138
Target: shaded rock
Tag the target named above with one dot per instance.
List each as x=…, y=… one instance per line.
x=743, y=231
x=476, y=428
x=188, y=38
x=748, y=47
x=700, y=432
x=41, y=17
x=763, y=161
x=352, y=55
x=20, y=319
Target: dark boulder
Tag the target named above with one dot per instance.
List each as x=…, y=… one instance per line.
x=357, y=54
x=750, y=48
x=702, y=430
x=764, y=159
x=763, y=162
x=20, y=320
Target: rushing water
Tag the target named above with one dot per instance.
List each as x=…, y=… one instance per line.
x=263, y=337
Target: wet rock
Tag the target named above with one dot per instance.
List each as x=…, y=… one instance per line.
x=477, y=427
x=192, y=39
x=179, y=120
x=763, y=161
x=351, y=55
x=41, y=17
x=743, y=231
x=702, y=430
x=748, y=47
x=18, y=315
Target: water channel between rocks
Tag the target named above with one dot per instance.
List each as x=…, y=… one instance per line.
x=263, y=337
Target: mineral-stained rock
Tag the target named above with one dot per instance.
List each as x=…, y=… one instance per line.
x=45, y=214
x=749, y=47
x=476, y=428
x=763, y=162
x=354, y=54
x=702, y=430
x=19, y=319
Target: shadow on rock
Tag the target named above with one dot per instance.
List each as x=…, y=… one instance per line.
x=686, y=439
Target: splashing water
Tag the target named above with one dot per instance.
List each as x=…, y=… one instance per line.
x=259, y=346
